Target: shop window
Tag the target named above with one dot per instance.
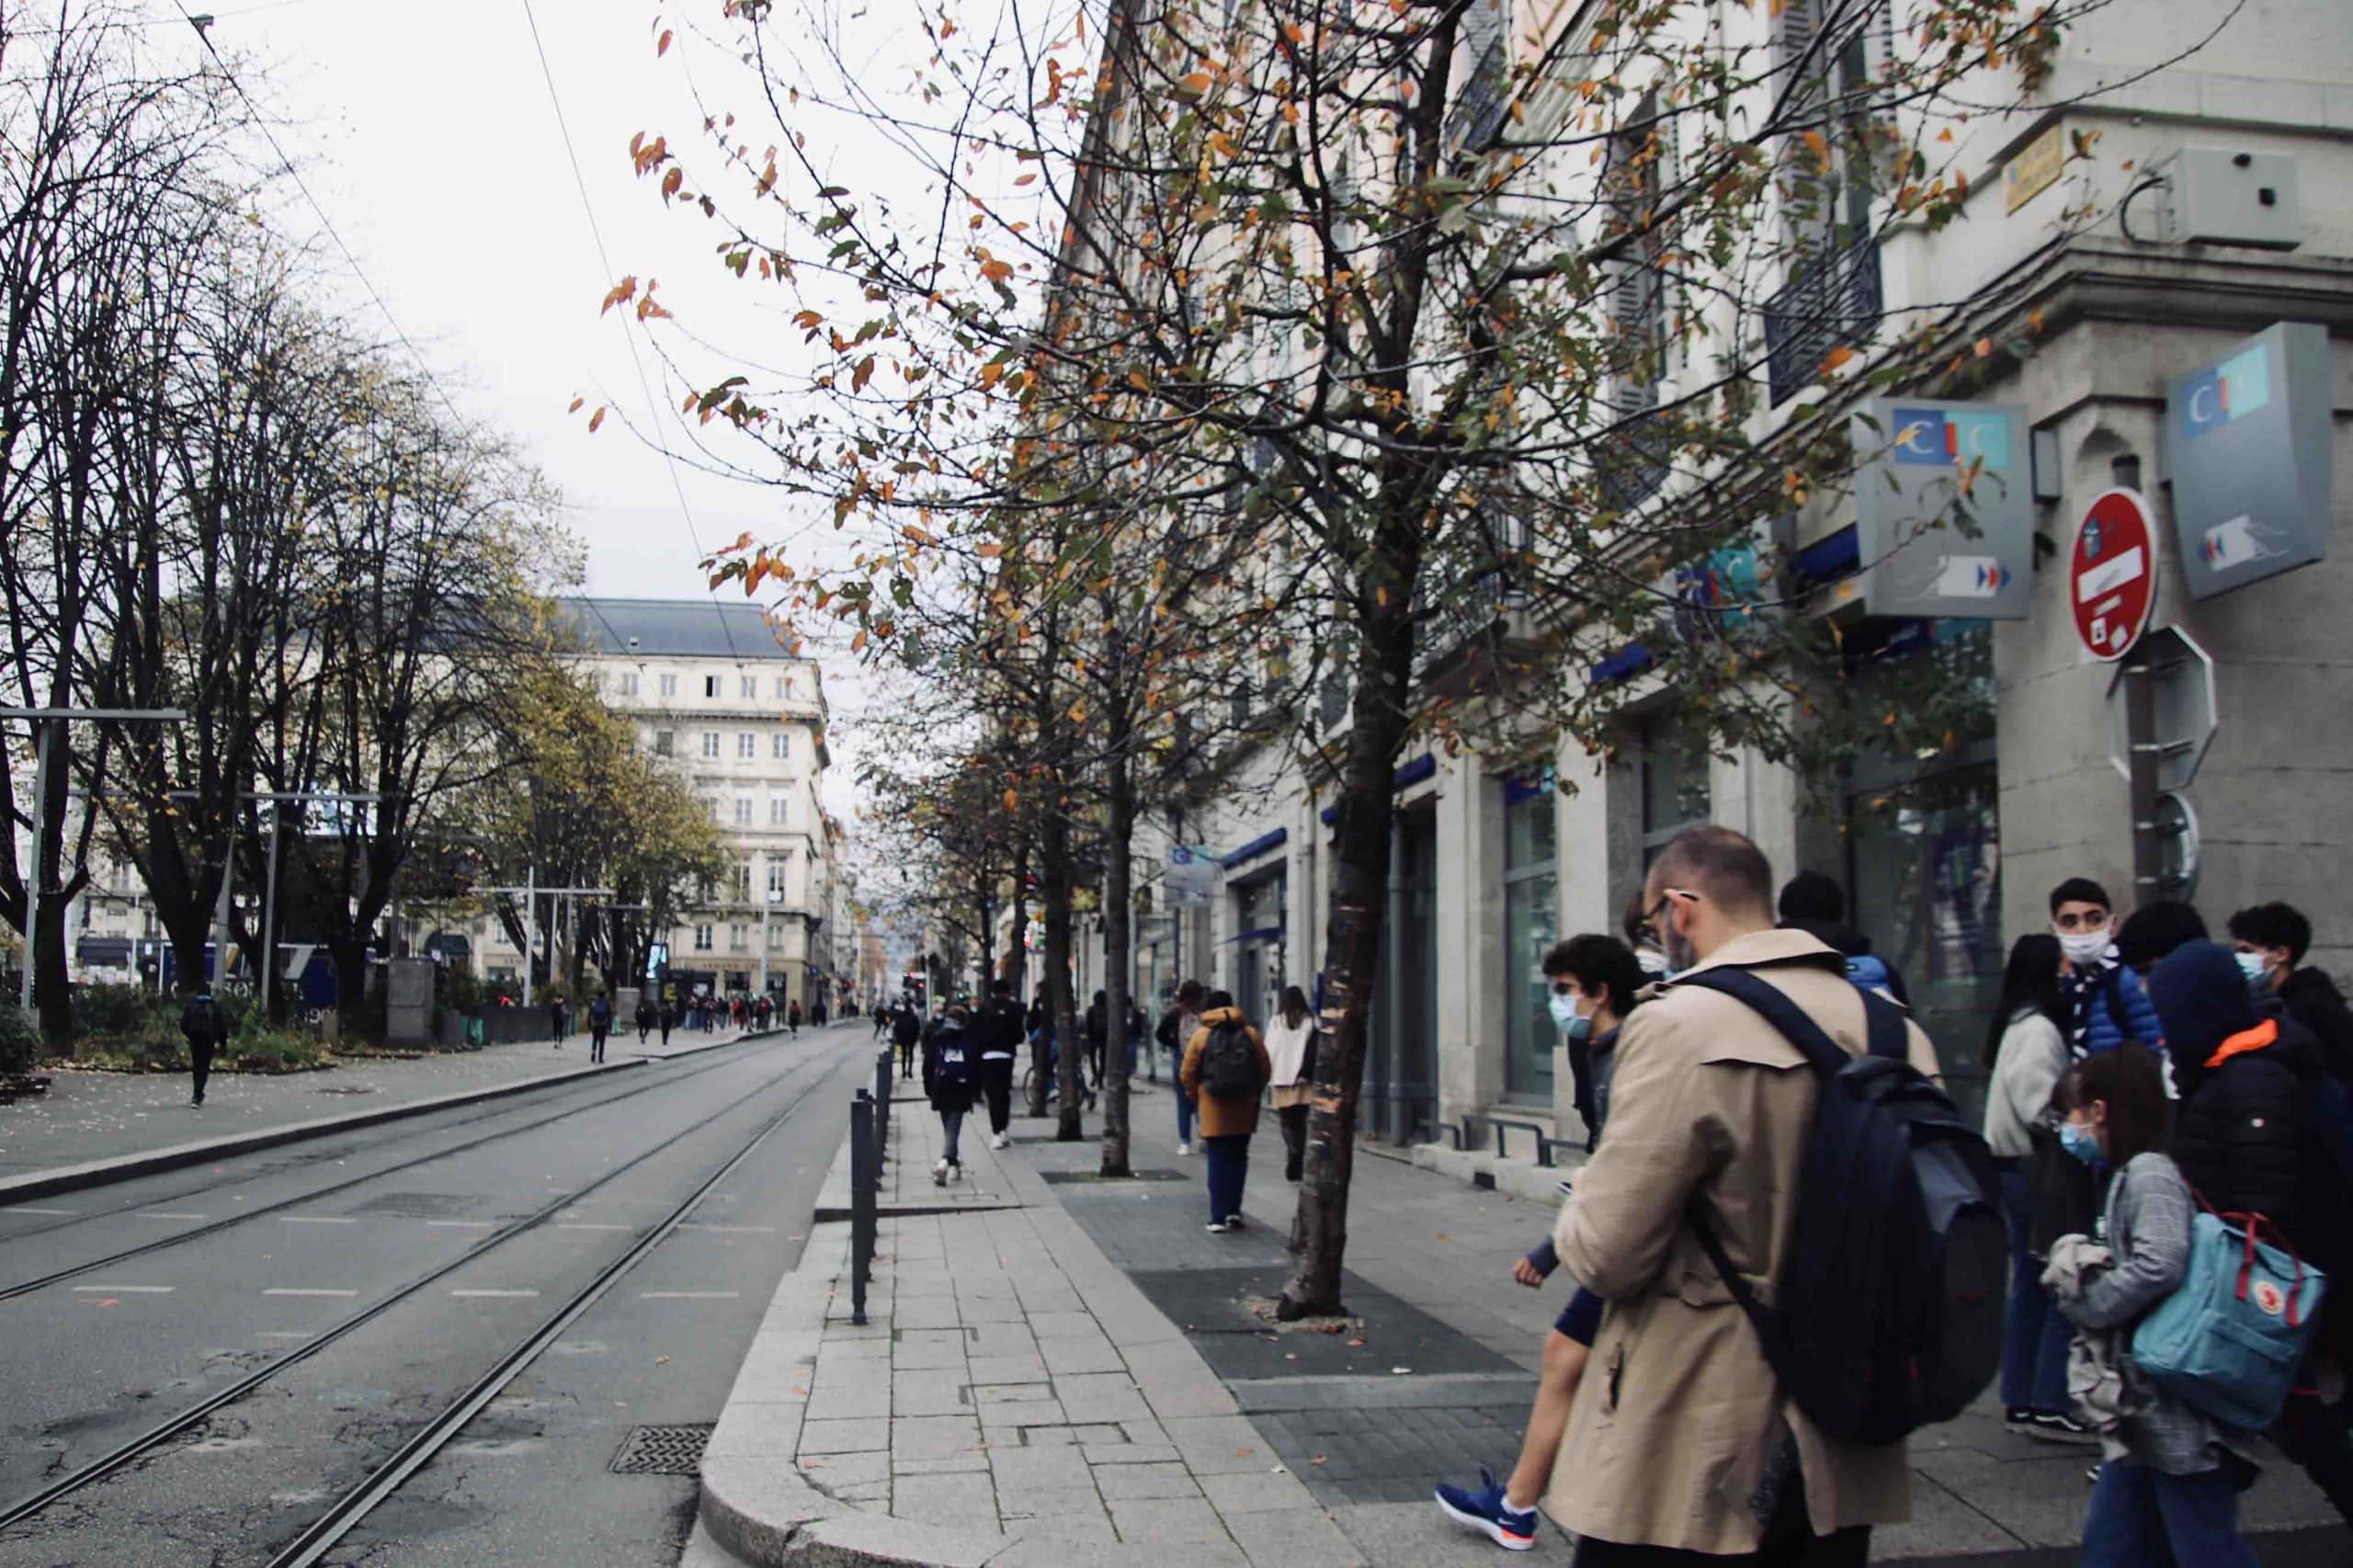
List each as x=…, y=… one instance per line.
x=1532, y=924
x=1673, y=757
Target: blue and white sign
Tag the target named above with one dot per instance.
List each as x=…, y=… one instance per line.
x=1944, y=508
x=1192, y=876
x=2249, y=451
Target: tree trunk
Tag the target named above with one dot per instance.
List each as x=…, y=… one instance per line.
x=1062, y=1017
x=1352, y=941
x=1118, y=874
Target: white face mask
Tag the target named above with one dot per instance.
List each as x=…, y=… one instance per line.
x=2083, y=947
x=2257, y=970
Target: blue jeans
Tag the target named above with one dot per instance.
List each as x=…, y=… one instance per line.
x=1229, y=1168
x=2144, y=1519
x=951, y=1128
x=2034, y=1335
x=1184, y=1117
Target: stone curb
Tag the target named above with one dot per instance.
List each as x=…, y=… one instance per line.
x=177, y=1156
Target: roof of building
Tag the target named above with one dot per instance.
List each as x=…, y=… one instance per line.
x=702, y=629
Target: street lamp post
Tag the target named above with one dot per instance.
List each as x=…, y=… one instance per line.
x=532, y=893
x=43, y=733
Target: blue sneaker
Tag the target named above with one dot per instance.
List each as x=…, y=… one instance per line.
x=1486, y=1510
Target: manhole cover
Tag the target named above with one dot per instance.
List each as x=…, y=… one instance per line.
x=663, y=1451
x=1096, y=1178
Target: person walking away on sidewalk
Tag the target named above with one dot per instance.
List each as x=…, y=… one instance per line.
x=1291, y=1053
x=669, y=1019
x=2254, y=1136
x=1691, y=1448
x=1134, y=1034
x=905, y=1034
x=559, y=1021
x=1226, y=1065
x=647, y=1016
x=2026, y=1055
x=2168, y=1488
x=950, y=1080
x=1593, y=981
x=1098, y=1036
x=1000, y=1030
x=600, y=1024
x=204, y=1028
x=1181, y=1023
x=792, y=1016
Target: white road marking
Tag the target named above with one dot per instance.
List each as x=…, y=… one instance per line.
x=687, y=1295
x=280, y=1333
x=584, y=1225
x=500, y=1293
x=157, y=1214
x=464, y=1224
x=283, y=1291
x=315, y=1219
x=65, y=1212
x=732, y=1230
x=125, y=1289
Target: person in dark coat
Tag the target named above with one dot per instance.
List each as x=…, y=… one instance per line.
x=2248, y=1141
x=905, y=1034
x=2272, y=939
x=1098, y=1035
x=647, y=1015
x=1816, y=904
x=205, y=1029
x=951, y=1081
x=669, y=1021
x=792, y=1016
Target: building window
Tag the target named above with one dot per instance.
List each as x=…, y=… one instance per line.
x=665, y=743
x=746, y=745
x=779, y=811
x=669, y=686
x=742, y=810
x=710, y=745
x=743, y=882
x=776, y=937
x=711, y=685
x=748, y=684
x=712, y=800
x=738, y=938
x=628, y=682
x=783, y=687
x=781, y=748
x=1923, y=852
x=596, y=681
x=1674, y=781
x=702, y=939
x=1531, y=924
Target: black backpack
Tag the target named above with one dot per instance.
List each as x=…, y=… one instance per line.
x=1229, y=1067
x=1888, y=1314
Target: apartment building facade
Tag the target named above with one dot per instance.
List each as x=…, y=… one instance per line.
x=2214, y=273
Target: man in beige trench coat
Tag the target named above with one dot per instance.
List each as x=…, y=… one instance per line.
x=1681, y=1446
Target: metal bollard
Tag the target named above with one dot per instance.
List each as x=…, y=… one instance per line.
x=881, y=1101
x=861, y=1205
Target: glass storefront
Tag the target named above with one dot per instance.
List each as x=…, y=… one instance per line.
x=1258, y=954
x=1673, y=757
x=1400, y=1084
x=1923, y=847
x=1532, y=924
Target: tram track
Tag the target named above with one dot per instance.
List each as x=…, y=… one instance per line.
x=160, y=1432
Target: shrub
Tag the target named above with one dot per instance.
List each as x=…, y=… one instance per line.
x=111, y=1011
x=20, y=1041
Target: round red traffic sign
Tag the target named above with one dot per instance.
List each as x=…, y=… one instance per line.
x=2112, y=574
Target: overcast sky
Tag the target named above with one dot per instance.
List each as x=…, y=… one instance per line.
x=426, y=132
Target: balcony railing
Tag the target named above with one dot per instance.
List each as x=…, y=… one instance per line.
x=1835, y=300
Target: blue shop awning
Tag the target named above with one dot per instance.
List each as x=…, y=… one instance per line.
x=1255, y=849
x=1408, y=774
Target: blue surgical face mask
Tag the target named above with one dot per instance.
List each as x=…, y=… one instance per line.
x=1580, y=1028
x=2257, y=970
x=2078, y=1140
x=1565, y=1013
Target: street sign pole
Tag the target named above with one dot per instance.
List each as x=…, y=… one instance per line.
x=2141, y=739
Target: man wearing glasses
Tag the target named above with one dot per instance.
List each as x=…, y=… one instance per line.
x=1681, y=1444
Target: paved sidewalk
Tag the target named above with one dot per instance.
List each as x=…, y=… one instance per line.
x=89, y=1117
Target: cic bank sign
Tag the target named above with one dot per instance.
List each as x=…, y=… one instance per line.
x=2248, y=451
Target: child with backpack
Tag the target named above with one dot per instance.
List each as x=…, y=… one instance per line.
x=952, y=1080
x=2169, y=1488
x=1225, y=1066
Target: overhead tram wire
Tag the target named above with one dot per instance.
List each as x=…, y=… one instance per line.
x=204, y=35
x=605, y=260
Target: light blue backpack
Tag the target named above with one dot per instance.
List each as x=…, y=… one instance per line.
x=2229, y=1340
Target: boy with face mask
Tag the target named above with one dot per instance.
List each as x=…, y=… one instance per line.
x=2107, y=1000
x=2271, y=940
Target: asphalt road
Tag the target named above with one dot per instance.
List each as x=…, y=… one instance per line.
x=270, y=1253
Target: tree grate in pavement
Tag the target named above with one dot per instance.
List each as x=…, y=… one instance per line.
x=663, y=1451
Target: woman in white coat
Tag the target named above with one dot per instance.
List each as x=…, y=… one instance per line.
x=1291, y=1046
